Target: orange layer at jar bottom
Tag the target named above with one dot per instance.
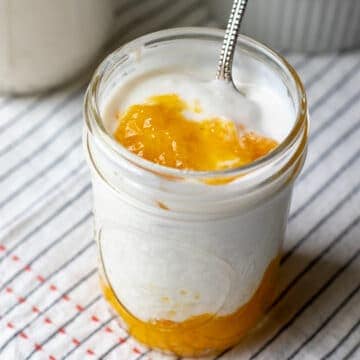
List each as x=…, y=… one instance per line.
x=202, y=334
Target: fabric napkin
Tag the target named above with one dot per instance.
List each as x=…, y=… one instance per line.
x=50, y=303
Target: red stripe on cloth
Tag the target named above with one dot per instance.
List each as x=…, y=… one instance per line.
x=27, y=268
x=95, y=318
x=40, y=278
x=48, y=320
x=79, y=307
x=23, y=335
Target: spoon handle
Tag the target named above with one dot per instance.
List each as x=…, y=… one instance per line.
x=229, y=44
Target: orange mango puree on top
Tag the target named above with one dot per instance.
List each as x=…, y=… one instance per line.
x=158, y=130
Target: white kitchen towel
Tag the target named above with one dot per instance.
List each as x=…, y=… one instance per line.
x=305, y=25
x=50, y=303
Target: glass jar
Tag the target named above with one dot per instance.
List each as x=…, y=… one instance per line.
x=189, y=259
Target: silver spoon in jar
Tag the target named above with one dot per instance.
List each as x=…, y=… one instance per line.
x=224, y=71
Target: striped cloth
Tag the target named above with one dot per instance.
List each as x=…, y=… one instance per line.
x=50, y=303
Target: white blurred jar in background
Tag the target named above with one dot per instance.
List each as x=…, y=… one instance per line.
x=44, y=43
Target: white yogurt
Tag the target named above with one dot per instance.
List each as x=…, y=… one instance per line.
x=209, y=251
x=217, y=256
x=219, y=263
x=261, y=109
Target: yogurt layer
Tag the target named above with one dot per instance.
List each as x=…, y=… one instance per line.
x=259, y=108
x=178, y=270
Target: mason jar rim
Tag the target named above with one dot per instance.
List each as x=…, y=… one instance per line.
x=95, y=125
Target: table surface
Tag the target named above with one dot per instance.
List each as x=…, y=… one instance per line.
x=50, y=303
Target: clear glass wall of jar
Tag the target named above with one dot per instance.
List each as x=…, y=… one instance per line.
x=188, y=260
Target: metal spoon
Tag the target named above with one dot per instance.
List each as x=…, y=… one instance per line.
x=224, y=71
